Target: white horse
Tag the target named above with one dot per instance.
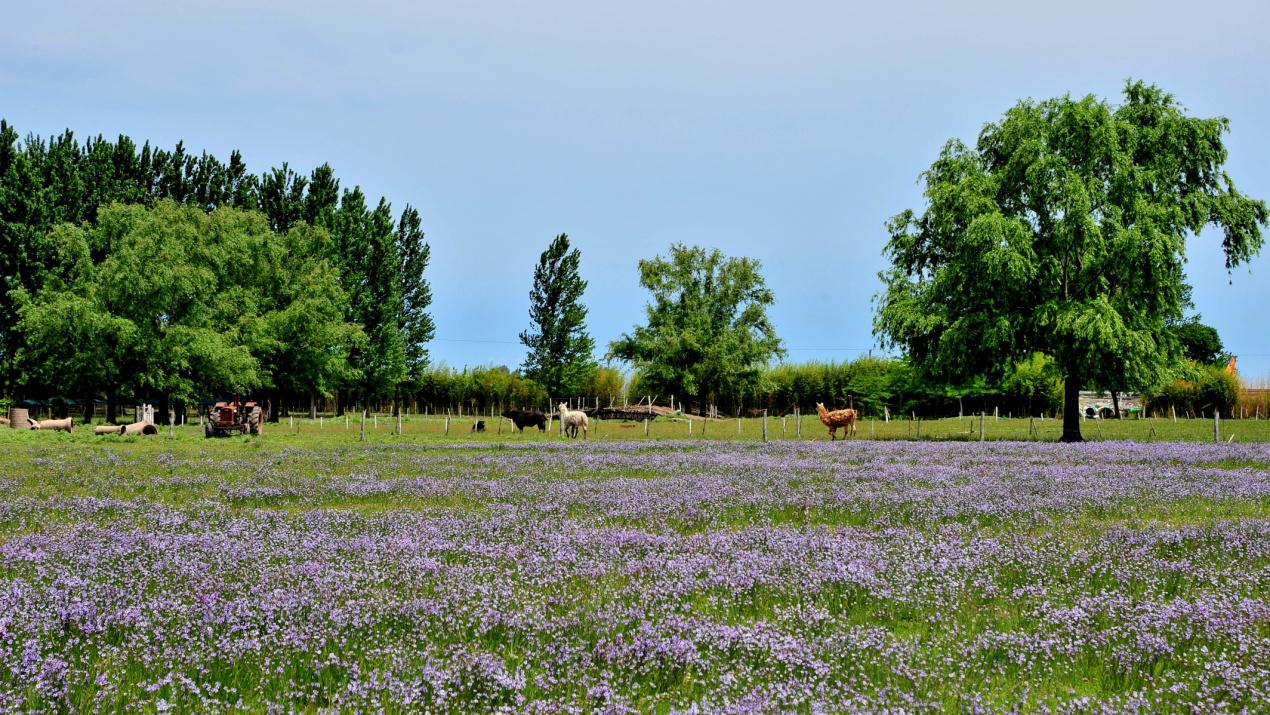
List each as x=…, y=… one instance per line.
x=571, y=420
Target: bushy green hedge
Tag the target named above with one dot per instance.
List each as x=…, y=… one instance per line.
x=1195, y=389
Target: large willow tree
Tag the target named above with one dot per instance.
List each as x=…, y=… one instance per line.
x=1063, y=230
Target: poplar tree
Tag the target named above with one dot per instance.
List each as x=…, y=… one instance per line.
x=415, y=322
x=560, y=350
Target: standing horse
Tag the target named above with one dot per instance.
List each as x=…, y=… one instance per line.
x=571, y=420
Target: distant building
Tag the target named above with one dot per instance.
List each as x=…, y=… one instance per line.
x=1100, y=405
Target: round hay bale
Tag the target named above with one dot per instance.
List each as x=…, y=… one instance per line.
x=19, y=417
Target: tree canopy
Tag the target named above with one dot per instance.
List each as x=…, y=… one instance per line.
x=707, y=329
x=185, y=303
x=51, y=188
x=1199, y=342
x=1063, y=231
x=560, y=350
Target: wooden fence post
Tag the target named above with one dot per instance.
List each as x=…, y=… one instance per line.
x=764, y=425
x=363, y=424
x=1216, y=426
x=981, y=419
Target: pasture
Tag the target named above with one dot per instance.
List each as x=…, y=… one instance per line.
x=309, y=571
x=337, y=431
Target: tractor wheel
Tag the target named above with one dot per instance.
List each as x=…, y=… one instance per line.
x=207, y=429
x=253, y=421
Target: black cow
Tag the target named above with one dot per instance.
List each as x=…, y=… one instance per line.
x=479, y=426
x=526, y=418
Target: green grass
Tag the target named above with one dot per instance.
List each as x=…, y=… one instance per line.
x=432, y=430
x=231, y=479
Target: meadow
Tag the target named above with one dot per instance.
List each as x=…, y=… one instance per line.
x=310, y=571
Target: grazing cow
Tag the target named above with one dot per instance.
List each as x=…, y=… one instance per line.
x=571, y=420
x=838, y=418
x=527, y=418
x=479, y=426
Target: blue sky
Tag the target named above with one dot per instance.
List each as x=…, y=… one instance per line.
x=788, y=132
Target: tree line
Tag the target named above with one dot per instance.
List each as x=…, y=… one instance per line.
x=1048, y=260
x=140, y=272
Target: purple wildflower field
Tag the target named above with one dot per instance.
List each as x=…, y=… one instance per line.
x=636, y=577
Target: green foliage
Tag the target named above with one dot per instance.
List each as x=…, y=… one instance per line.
x=51, y=187
x=184, y=303
x=1195, y=388
x=1198, y=342
x=372, y=276
x=707, y=331
x=415, y=323
x=606, y=383
x=872, y=385
x=1036, y=382
x=560, y=350
x=1062, y=231
x=479, y=388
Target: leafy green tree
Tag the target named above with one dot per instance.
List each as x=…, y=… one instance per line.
x=708, y=332
x=415, y=323
x=1198, y=342
x=560, y=350
x=365, y=242
x=1062, y=231
x=282, y=197
x=184, y=304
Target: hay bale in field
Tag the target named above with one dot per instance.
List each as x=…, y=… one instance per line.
x=108, y=429
x=18, y=417
x=140, y=428
x=65, y=425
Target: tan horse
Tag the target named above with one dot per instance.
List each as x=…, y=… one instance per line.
x=838, y=418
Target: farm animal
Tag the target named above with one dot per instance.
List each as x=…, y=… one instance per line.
x=838, y=418
x=527, y=418
x=479, y=426
x=571, y=420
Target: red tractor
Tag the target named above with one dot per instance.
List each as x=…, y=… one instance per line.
x=226, y=418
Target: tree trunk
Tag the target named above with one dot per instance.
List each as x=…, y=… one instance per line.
x=88, y=409
x=111, y=413
x=1115, y=404
x=1071, y=410
x=312, y=406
